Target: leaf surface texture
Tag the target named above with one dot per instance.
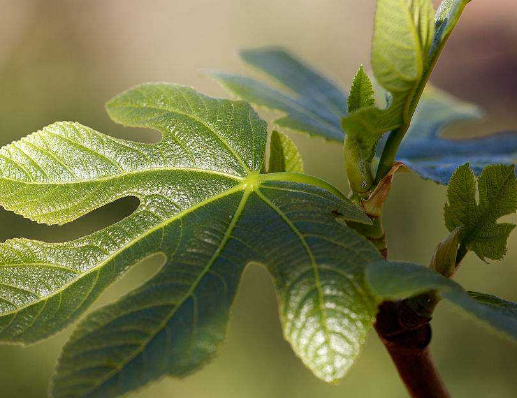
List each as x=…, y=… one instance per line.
x=205, y=207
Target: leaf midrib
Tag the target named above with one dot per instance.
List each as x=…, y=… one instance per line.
x=321, y=296
x=125, y=174
x=247, y=192
x=98, y=267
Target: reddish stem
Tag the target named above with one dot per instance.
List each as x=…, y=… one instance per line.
x=406, y=335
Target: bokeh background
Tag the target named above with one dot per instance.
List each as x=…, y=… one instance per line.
x=63, y=59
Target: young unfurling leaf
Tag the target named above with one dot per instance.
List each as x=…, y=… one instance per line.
x=402, y=36
x=401, y=39
x=284, y=155
x=477, y=219
x=361, y=92
x=445, y=256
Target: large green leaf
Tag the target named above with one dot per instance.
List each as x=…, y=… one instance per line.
x=397, y=281
x=66, y=170
x=477, y=219
x=206, y=209
x=175, y=322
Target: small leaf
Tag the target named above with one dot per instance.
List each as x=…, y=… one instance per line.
x=479, y=230
x=361, y=92
x=317, y=105
x=397, y=281
x=284, y=155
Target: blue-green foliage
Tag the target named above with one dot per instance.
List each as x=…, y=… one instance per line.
x=312, y=103
x=318, y=106
x=435, y=157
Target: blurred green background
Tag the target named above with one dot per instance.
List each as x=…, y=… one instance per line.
x=63, y=59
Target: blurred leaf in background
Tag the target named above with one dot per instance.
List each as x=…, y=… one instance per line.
x=62, y=60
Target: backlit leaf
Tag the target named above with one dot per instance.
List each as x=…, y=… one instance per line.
x=361, y=92
x=176, y=321
x=67, y=170
x=206, y=209
x=284, y=155
x=401, y=37
x=402, y=29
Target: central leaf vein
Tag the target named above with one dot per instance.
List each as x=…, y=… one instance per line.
x=190, y=293
x=311, y=258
